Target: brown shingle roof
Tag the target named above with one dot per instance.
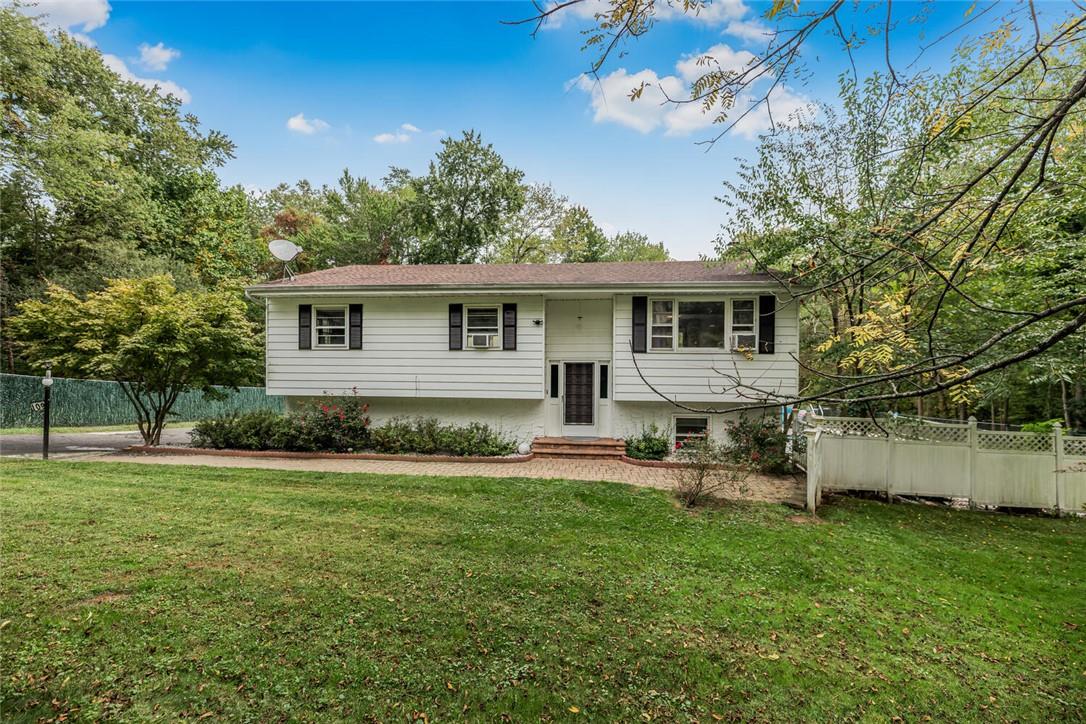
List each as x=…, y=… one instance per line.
x=515, y=275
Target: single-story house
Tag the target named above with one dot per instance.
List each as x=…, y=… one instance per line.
x=537, y=350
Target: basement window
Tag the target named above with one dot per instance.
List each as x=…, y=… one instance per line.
x=690, y=428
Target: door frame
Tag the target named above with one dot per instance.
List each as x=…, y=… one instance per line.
x=578, y=429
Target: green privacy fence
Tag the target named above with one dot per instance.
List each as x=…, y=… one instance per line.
x=98, y=402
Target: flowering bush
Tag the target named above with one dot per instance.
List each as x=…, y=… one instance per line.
x=759, y=443
x=340, y=425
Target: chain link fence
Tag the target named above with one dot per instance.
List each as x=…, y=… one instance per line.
x=77, y=403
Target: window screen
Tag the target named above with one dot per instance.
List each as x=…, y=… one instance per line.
x=331, y=326
x=661, y=324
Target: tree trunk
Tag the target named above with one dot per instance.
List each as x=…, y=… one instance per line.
x=1066, y=408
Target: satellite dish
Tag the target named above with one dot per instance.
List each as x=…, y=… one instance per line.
x=284, y=250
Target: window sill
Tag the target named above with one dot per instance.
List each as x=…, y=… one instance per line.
x=699, y=350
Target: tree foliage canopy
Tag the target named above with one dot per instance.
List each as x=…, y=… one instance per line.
x=155, y=341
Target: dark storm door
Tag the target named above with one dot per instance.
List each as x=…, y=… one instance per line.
x=579, y=405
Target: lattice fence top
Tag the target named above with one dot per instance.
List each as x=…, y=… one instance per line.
x=850, y=426
x=931, y=432
x=1074, y=446
x=1015, y=441
x=909, y=429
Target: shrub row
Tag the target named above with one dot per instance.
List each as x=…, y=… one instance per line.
x=344, y=426
x=757, y=443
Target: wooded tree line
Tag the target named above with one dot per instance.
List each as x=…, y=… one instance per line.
x=107, y=179
x=931, y=225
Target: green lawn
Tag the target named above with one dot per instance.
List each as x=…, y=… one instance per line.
x=142, y=591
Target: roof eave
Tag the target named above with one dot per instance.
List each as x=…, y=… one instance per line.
x=372, y=289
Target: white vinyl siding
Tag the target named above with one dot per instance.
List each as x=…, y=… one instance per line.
x=406, y=352
x=691, y=375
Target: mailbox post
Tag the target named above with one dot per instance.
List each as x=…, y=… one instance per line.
x=47, y=383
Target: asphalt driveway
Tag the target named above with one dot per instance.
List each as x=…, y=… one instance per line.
x=66, y=444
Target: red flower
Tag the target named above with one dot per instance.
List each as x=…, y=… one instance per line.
x=755, y=456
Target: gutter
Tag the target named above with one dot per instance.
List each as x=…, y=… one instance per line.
x=446, y=289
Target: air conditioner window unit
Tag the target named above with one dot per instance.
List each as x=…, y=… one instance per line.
x=744, y=340
x=482, y=341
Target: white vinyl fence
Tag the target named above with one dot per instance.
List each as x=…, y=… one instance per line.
x=947, y=460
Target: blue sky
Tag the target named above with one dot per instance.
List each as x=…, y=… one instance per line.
x=308, y=89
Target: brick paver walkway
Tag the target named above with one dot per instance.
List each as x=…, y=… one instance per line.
x=774, y=489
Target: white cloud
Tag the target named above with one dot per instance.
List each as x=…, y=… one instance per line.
x=713, y=13
x=718, y=57
x=306, y=126
x=404, y=134
x=164, y=87
x=158, y=56
x=610, y=98
x=751, y=31
x=392, y=138
x=783, y=102
x=69, y=15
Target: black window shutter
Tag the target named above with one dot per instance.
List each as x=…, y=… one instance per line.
x=509, y=326
x=305, y=326
x=456, y=326
x=355, y=316
x=767, y=323
x=640, y=323
x=603, y=382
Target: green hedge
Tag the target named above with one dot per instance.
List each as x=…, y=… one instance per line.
x=98, y=402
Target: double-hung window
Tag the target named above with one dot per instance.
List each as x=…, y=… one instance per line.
x=744, y=329
x=482, y=328
x=663, y=324
x=330, y=326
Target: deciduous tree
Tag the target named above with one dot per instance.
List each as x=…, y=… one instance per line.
x=155, y=341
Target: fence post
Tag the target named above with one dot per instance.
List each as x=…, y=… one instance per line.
x=888, y=471
x=814, y=468
x=1057, y=447
x=973, y=452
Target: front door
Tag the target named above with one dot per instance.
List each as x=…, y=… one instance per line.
x=579, y=399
